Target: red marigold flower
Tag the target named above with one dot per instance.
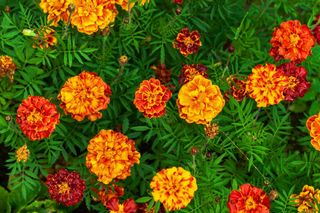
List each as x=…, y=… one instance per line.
x=162, y=73
x=178, y=1
x=85, y=95
x=37, y=117
x=112, y=192
x=305, y=201
x=297, y=82
x=45, y=38
x=66, y=187
x=292, y=41
x=313, y=125
x=129, y=206
x=316, y=29
x=188, y=72
x=187, y=42
x=151, y=98
x=248, y=200
x=7, y=67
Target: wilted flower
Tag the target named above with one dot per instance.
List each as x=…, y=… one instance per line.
x=248, y=199
x=305, y=201
x=111, y=156
x=292, y=41
x=37, y=117
x=22, y=154
x=162, y=73
x=211, y=130
x=187, y=42
x=313, y=125
x=151, y=98
x=85, y=95
x=129, y=206
x=199, y=101
x=57, y=10
x=66, y=187
x=173, y=187
x=188, y=72
x=45, y=38
x=316, y=29
x=7, y=67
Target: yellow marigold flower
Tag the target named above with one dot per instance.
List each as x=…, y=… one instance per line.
x=85, y=95
x=22, y=154
x=91, y=15
x=199, y=101
x=173, y=187
x=7, y=67
x=57, y=10
x=111, y=156
x=266, y=85
x=305, y=201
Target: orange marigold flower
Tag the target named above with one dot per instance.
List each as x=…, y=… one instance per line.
x=66, y=187
x=37, y=117
x=7, y=67
x=313, y=125
x=266, y=85
x=305, y=201
x=188, y=72
x=57, y=10
x=22, y=154
x=248, y=200
x=292, y=41
x=91, y=15
x=112, y=192
x=85, y=95
x=199, y=101
x=187, y=42
x=151, y=98
x=111, y=155
x=173, y=187
x=129, y=206
x=45, y=38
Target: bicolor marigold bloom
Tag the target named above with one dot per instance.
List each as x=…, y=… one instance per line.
x=297, y=81
x=188, y=72
x=7, y=67
x=305, y=201
x=66, y=187
x=151, y=98
x=112, y=192
x=187, y=42
x=266, y=85
x=129, y=206
x=37, y=117
x=57, y=10
x=162, y=73
x=316, y=29
x=173, y=187
x=45, y=38
x=111, y=156
x=22, y=154
x=292, y=41
x=313, y=125
x=199, y=101
x=237, y=88
x=248, y=199
x=85, y=95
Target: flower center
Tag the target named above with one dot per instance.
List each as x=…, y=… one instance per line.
x=250, y=204
x=188, y=41
x=294, y=39
x=292, y=82
x=63, y=188
x=34, y=117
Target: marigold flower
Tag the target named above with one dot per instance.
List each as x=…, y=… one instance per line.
x=178, y=1
x=66, y=187
x=173, y=187
x=129, y=206
x=112, y=192
x=305, y=201
x=211, y=130
x=151, y=98
x=237, y=88
x=199, y=101
x=85, y=95
x=187, y=42
x=57, y=10
x=162, y=73
x=7, y=67
x=188, y=72
x=266, y=85
x=37, y=117
x=313, y=125
x=111, y=155
x=45, y=38
x=292, y=41
x=297, y=81
x=316, y=29
x=248, y=200
x=22, y=154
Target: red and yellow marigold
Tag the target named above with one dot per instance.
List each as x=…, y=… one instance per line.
x=112, y=192
x=57, y=10
x=187, y=42
x=292, y=41
x=7, y=67
x=188, y=72
x=151, y=98
x=37, y=117
x=266, y=85
x=22, y=154
x=173, y=187
x=237, y=88
x=313, y=125
x=45, y=38
x=249, y=199
x=85, y=95
x=111, y=156
x=307, y=200
x=128, y=206
x=66, y=187
x=199, y=101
